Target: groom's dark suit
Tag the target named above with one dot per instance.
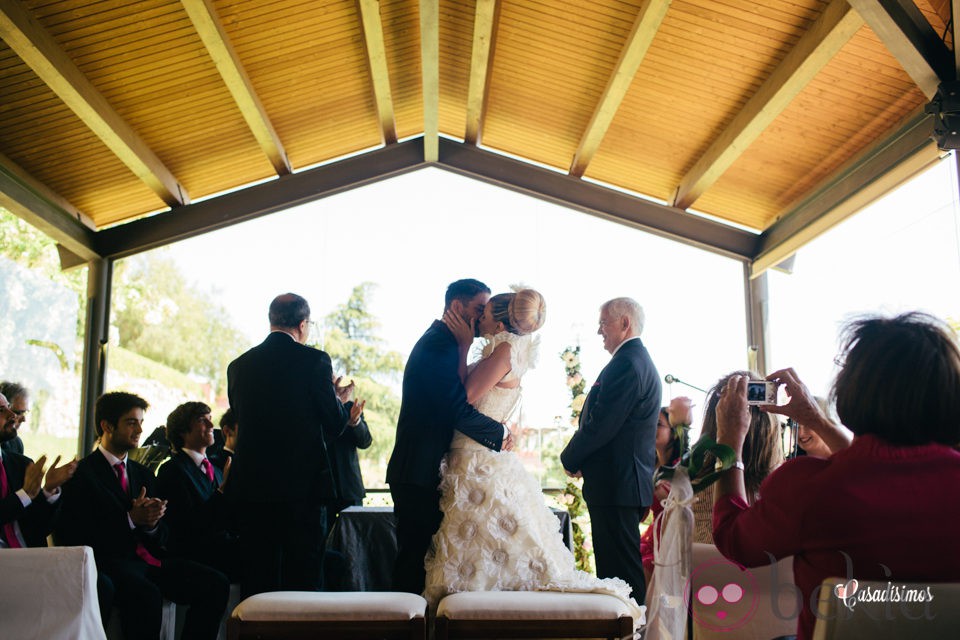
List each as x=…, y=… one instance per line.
x=434, y=403
x=614, y=449
x=281, y=477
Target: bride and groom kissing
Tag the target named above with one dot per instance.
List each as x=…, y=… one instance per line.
x=469, y=517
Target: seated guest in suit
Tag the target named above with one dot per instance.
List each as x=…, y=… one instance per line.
x=228, y=427
x=26, y=512
x=190, y=483
x=19, y=399
x=109, y=505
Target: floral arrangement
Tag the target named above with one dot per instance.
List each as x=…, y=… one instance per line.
x=575, y=382
x=572, y=496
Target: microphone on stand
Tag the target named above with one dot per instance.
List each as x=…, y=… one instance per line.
x=670, y=379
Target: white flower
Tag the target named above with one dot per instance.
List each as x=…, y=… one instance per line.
x=577, y=404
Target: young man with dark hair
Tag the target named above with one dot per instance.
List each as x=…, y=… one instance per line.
x=228, y=427
x=434, y=403
x=197, y=514
x=108, y=505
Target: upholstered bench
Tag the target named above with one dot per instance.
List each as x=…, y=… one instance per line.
x=302, y=614
x=532, y=614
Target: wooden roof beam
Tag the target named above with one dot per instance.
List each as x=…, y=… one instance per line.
x=39, y=206
x=40, y=52
x=644, y=29
x=835, y=26
x=907, y=34
x=211, y=32
x=430, y=68
x=484, y=34
x=379, y=73
x=955, y=11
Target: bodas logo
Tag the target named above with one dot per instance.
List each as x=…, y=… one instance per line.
x=725, y=594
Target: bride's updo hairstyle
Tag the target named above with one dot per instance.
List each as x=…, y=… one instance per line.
x=521, y=313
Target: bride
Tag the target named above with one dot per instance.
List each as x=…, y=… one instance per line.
x=497, y=534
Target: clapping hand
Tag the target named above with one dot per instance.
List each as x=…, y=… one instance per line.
x=32, y=476
x=345, y=392
x=356, y=410
x=146, y=512
x=460, y=328
x=56, y=476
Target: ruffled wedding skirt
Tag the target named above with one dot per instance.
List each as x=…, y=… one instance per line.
x=498, y=535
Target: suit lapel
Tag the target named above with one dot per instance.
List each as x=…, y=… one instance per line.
x=196, y=475
x=106, y=476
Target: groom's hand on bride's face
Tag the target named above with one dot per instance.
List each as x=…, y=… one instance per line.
x=462, y=330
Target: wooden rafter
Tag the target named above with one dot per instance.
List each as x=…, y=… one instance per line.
x=208, y=27
x=484, y=33
x=430, y=65
x=46, y=210
x=40, y=52
x=835, y=26
x=955, y=11
x=644, y=29
x=379, y=73
x=907, y=34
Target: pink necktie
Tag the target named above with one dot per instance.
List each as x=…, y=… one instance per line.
x=9, y=532
x=145, y=555
x=207, y=469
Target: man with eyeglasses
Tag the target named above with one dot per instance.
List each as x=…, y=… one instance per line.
x=281, y=477
x=19, y=399
x=26, y=510
x=613, y=449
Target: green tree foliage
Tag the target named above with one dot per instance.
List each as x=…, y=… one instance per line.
x=161, y=316
x=358, y=353
x=29, y=247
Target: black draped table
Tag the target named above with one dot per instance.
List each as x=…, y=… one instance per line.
x=363, y=546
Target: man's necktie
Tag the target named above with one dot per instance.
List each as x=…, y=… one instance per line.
x=207, y=469
x=9, y=532
x=145, y=555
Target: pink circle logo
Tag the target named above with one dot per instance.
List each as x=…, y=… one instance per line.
x=724, y=595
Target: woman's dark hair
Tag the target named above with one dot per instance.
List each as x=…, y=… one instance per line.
x=900, y=379
x=762, y=448
x=178, y=422
x=679, y=444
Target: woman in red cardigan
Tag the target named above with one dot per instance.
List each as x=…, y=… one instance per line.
x=882, y=507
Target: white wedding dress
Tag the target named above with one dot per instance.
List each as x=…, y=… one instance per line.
x=497, y=533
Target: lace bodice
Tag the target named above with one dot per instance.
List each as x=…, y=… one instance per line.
x=501, y=402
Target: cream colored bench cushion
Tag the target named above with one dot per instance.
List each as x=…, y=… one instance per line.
x=305, y=606
x=531, y=605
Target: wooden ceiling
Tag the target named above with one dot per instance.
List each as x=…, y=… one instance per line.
x=754, y=112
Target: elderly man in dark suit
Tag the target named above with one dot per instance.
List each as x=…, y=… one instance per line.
x=434, y=403
x=197, y=513
x=283, y=394
x=614, y=448
x=109, y=505
x=26, y=511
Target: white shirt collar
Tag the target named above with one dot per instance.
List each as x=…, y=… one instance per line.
x=196, y=456
x=112, y=459
x=623, y=343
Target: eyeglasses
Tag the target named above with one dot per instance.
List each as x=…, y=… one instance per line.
x=20, y=412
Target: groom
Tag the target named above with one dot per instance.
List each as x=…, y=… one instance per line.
x=613, y=449
x=434, y=403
